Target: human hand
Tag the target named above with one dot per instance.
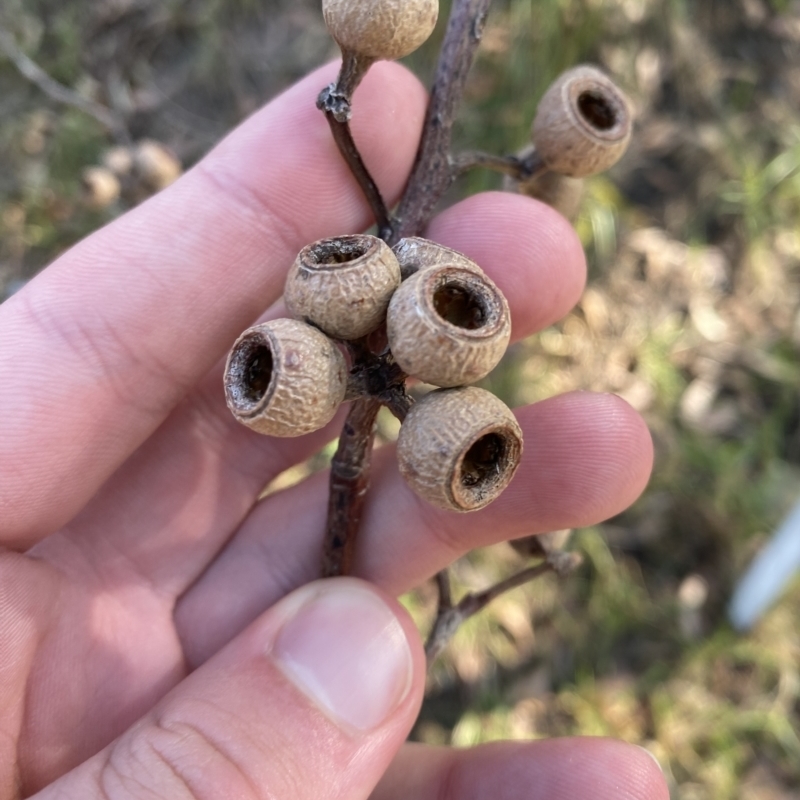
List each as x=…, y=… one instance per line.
x=153, y=641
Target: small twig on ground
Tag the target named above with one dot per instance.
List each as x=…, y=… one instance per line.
x=450, y=617
x=61, y=94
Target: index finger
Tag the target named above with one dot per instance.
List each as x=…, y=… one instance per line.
x=98, y=349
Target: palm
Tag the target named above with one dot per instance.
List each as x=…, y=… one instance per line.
x=162, y=555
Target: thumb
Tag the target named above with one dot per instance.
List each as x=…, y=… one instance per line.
x=313, y=700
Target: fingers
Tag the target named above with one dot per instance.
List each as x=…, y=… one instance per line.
x=202, y=470
x=586, y=458
x=311, y=702
x=98, y=349
x=555, y=769
x=529, y=250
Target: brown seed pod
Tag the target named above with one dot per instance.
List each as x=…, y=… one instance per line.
x=101, y=187
x=380, y=29
x=583, y=123
x=156, y=165
x=448, y=325
x=459, y=448
x=284, y=378
x=415, y=253
x=119, y=160
x=343, y=285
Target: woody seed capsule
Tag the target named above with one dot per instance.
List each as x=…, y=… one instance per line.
x=415, y=253
x=343, y=285
x=380, y=29
x=448, y=325
x=284, y=378
x=583, y=123
x=459, y=448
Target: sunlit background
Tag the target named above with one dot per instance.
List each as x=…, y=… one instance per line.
x=691, y=315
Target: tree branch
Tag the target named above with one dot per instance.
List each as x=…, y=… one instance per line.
x=518, y=167
x=61, y=94
x=432, y=173
x=349, y=482
x=431, y=176
x=449, y=617
x=334, y=101
x=343, y=137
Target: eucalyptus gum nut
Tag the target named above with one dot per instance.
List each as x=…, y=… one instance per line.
x=380, y=29
x=459, y=448
x=583, y=123
x=415, y=253
x=343, y=285
x=284, y=378
x=448, y=325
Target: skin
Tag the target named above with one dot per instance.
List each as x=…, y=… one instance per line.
x=141, y=585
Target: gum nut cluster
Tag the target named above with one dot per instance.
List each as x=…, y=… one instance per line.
x=446, y=323
x=582, y=124
x=380, y=29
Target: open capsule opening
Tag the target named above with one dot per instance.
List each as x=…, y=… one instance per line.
x=598, y=110
x=250, y=372
x=486, y=467
x=460, y=307
x=483, y=461
x=341, y=250
x=258, y=373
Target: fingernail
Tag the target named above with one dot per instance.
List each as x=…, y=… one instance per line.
x=345, y=650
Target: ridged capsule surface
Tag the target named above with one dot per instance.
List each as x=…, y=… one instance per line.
x=343, y=285
x=583, y=123
x=284, y=378
x=380, y=29
x=459, y=448
x=415, y=253
x=448, y=325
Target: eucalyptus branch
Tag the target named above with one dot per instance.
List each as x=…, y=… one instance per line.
x=350, y=472
x=432, y=173
x=343, y=137
x=335, y=101
x=460, y=447
x=431, y=176
x=30, y=70
x=521, y=168
x=450, y=617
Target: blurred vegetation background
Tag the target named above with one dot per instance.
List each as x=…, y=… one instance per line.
x=692, y=314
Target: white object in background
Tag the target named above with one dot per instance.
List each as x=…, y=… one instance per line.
x=768, y=575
